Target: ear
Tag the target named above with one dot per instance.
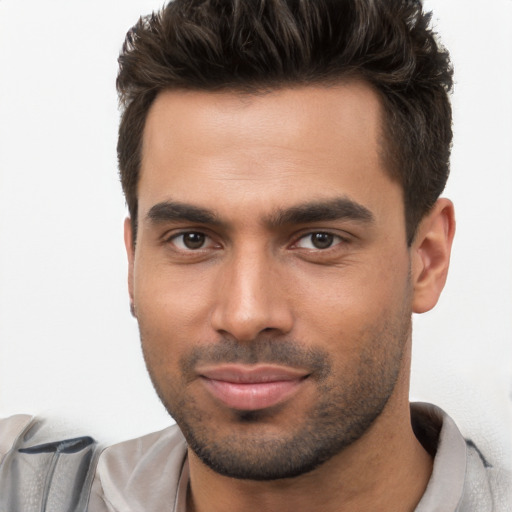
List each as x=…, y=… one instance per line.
x=130, y=252
x=430, y=253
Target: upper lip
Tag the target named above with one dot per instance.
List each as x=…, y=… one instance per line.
x=250, y=374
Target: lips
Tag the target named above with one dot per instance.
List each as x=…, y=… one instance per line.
x=251, y=388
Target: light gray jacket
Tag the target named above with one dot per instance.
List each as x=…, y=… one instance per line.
x=150, y=473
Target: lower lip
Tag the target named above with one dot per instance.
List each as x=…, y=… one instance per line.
x=252, y=396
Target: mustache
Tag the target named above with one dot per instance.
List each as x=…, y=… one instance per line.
x=260, y=351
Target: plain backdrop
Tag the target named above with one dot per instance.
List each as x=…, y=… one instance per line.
x=69, y=349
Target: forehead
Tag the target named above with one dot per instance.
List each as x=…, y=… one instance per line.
x=273, y=149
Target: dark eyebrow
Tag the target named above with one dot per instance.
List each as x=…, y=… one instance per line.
x=318, y=211
x=314, y=211
x=175, y=211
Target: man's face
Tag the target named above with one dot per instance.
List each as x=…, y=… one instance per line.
x=271, y=274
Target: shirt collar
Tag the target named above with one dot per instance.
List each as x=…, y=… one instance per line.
x=445, y=488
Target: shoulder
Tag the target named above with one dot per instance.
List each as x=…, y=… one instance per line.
x=11, y=429
x=163, y=450
x=463, y=480
x=56, y=474
x=140, y=474
x=487, y=486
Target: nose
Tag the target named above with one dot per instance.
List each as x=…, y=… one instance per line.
x=251, y=297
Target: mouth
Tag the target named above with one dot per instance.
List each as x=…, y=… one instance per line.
x=251, y=388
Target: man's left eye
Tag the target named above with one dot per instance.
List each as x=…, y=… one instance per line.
x=318, y=240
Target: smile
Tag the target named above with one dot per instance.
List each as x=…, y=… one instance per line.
x=251, y=388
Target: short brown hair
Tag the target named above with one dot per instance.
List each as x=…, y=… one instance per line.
x=257, y=45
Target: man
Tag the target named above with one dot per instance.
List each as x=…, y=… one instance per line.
x=282, y=163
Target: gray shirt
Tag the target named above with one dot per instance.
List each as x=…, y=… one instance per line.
x=150, y=473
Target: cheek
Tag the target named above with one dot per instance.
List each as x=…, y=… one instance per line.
x=172, y=294
x=342, y=303
x=172, y=310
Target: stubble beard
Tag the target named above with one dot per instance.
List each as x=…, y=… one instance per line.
x=349, y=403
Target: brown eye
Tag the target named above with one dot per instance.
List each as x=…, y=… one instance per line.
x=318, y=240
x=191, y=240
x=322, y=240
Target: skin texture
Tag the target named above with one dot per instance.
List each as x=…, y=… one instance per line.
x=238, y=263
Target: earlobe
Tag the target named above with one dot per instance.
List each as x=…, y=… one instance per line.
x=130, y=253
x=430, y=254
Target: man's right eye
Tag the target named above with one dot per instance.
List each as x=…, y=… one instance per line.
x=191, y=240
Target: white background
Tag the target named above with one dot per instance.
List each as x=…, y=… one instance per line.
x=69, y=349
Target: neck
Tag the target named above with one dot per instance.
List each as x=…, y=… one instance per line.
x=387, y=469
